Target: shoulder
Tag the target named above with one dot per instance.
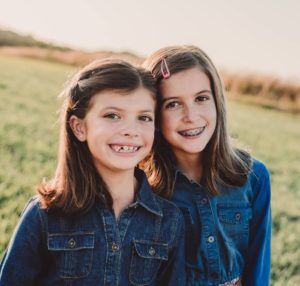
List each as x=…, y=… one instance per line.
x=259, y=171
x=258, y=166
x=33, y=213
x=30, y=221
x=260, y=180
x=32, y=207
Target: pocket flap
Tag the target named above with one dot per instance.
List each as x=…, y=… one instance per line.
x=235, y=214
x=150, y=249
x=70, y=241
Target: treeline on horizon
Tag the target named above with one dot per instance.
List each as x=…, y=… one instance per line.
x=268, y=91
x=13, y=39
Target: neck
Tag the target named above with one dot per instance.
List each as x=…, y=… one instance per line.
x=190, y=165
x=121, y=186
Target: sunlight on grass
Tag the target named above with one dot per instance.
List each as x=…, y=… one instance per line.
x=274, y=138
x=28, y=145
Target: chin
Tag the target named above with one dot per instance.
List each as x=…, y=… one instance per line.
x=193, y=149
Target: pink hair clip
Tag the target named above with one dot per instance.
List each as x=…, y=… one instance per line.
x=165, y=69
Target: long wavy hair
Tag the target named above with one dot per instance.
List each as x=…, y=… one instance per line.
x=224, y=164
x=77, y=184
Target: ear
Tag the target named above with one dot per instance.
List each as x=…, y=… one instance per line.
x=78, y=127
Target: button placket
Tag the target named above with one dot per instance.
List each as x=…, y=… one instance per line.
x=209, y=232
x=210, y=239
x=113, y=260
x=115, y=247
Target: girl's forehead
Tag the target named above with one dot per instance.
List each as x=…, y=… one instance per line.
x=140, y=98
x=190, y=81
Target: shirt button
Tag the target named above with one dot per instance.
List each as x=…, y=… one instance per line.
x=71, y=243
x=115, y=247
x=237, y=216
x=152, y=251
x=204, y=201
x=210, y=239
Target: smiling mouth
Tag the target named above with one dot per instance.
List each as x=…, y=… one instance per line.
x=124, y=148
x=192, y=132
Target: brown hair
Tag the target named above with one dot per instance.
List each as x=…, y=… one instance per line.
x=223, y=163
x=76, y=183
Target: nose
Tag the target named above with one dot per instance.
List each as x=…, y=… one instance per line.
x=130, y=130
x=189, y=114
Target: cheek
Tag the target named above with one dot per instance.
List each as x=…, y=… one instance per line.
x=214, y=116
x=210, y=112
x=168, y=124
x=148, y=134
x=150, y=137
x=167, y=120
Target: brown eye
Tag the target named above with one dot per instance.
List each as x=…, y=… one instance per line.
x=145, y=118
x=113, y=116
x=202, y=98
x=172, y=105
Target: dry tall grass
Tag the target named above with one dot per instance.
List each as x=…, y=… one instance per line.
x=264, y=90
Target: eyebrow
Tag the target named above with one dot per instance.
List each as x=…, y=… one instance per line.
x=197, y=93
x=121, y=109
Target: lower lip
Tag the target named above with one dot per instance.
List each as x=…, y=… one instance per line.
x=125, y=154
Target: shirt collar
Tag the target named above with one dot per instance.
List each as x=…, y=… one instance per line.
x=145, y=196
x=179, y=176
x=178, y=173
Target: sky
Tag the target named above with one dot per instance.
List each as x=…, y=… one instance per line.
x=259, y=36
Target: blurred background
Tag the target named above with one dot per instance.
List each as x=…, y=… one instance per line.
x=255, y=44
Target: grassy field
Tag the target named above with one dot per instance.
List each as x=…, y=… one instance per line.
x=28, y=143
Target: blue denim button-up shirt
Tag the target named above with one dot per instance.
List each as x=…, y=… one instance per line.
x=145, y=247
x=227, y=236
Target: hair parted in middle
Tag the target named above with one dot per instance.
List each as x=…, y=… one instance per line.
x=77, y=184
x=223, y=163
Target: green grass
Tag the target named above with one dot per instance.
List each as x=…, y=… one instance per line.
x=28, y=132
x=274, y=137
x=28, y=145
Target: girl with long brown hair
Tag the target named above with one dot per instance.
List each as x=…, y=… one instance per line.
x=97, y=222
x=222, y=191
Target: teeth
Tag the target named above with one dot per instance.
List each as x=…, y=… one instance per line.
x=124, y=148
x=192, y=132
x=116, y=148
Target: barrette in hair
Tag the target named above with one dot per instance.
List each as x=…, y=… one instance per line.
x=165, y=69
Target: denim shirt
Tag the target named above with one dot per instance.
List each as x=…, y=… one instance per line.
x=227, y=236
x=144, y=247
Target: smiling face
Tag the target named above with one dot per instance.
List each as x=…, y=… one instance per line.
x=118, y=128
x=188, y=114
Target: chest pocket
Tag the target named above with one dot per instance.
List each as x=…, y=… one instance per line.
x=73, y=253
x=234, y=219
x=145, y=261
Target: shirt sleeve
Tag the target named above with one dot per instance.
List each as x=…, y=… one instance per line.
x=173, y=272
x=22, y=261
x=257, y=270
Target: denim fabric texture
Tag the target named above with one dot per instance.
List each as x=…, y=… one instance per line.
x=144, y=247
x=227, y=236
